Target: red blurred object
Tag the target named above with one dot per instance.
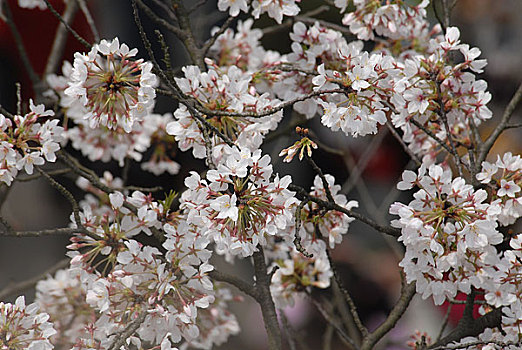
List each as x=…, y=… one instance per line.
x=37, y=29
x=458, y=309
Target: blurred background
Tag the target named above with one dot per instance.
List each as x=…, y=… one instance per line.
x=368, y=168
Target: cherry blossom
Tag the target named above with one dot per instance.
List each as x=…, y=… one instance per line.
x=115, y=89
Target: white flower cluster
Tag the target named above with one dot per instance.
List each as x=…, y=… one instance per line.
x=394, y=19
x=26, y=141
x=503, y=291
x=361, y=108
x=230, y=92
x=63, y=298
x=114, y=89
x=449, y=231
x=274, y=8
x=430, y=89
x=124, y=280
x=504, y=180
x=104, y=143
x=311, y=46
x=238, y=205
x=31, y=4
x=297, y=273
x=243, y=49
x=23, y=328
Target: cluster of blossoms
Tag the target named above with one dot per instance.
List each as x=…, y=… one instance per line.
x=444, y=98
x=124, y=281
x=394, y=19
x=220, y=92
x=23, y=328
x=361, y=108
x=423, y=83
x=114, y=89
x=274, y=8
x=63, y=297
x=238, y=205
x=296, y=272
x=243, y=50
x=31, y=4
x=26, y=141
x=449, y=231
x=311, y=46
x=504, y=180
x=104, y=143
x=452, y=242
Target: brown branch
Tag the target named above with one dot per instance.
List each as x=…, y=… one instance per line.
x=16, y=288
x=301, y=194
x=404, y=146
x=208, y=44
x=348, y=298
x=470, y=328
x=60, y=38
x=89, y=19
x=265, y=301
x=35, y=80
x=237, y=282
x=49, y=232
x=268, y=111
x=160, y=21
x=67, y=26
x=132, y=327
x=189, y=41
x=407, y=293
x=501, y=126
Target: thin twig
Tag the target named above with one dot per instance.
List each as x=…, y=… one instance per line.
x=208, y=44
x=158, y=20
x=35, y=80
x=444, y=323
x=501, y=126
x=407, y=293
x=444, y=118
x=68, y=195
x=323, y=178
x=89, y=19
x=403, y=144
x=302, y=195
x=37, y=176
x=297, y=238
x=361, y=165
x=50, y=232
x=235, y=281
x=128, y=331
x=335, y=324
x=16, y=288
x=61, y=19
x=347, y=297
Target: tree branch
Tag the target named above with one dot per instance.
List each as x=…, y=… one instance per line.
x=265, y=301
x=407, y=293
x=501, y=126
x=60, y=38
x=16, y=288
